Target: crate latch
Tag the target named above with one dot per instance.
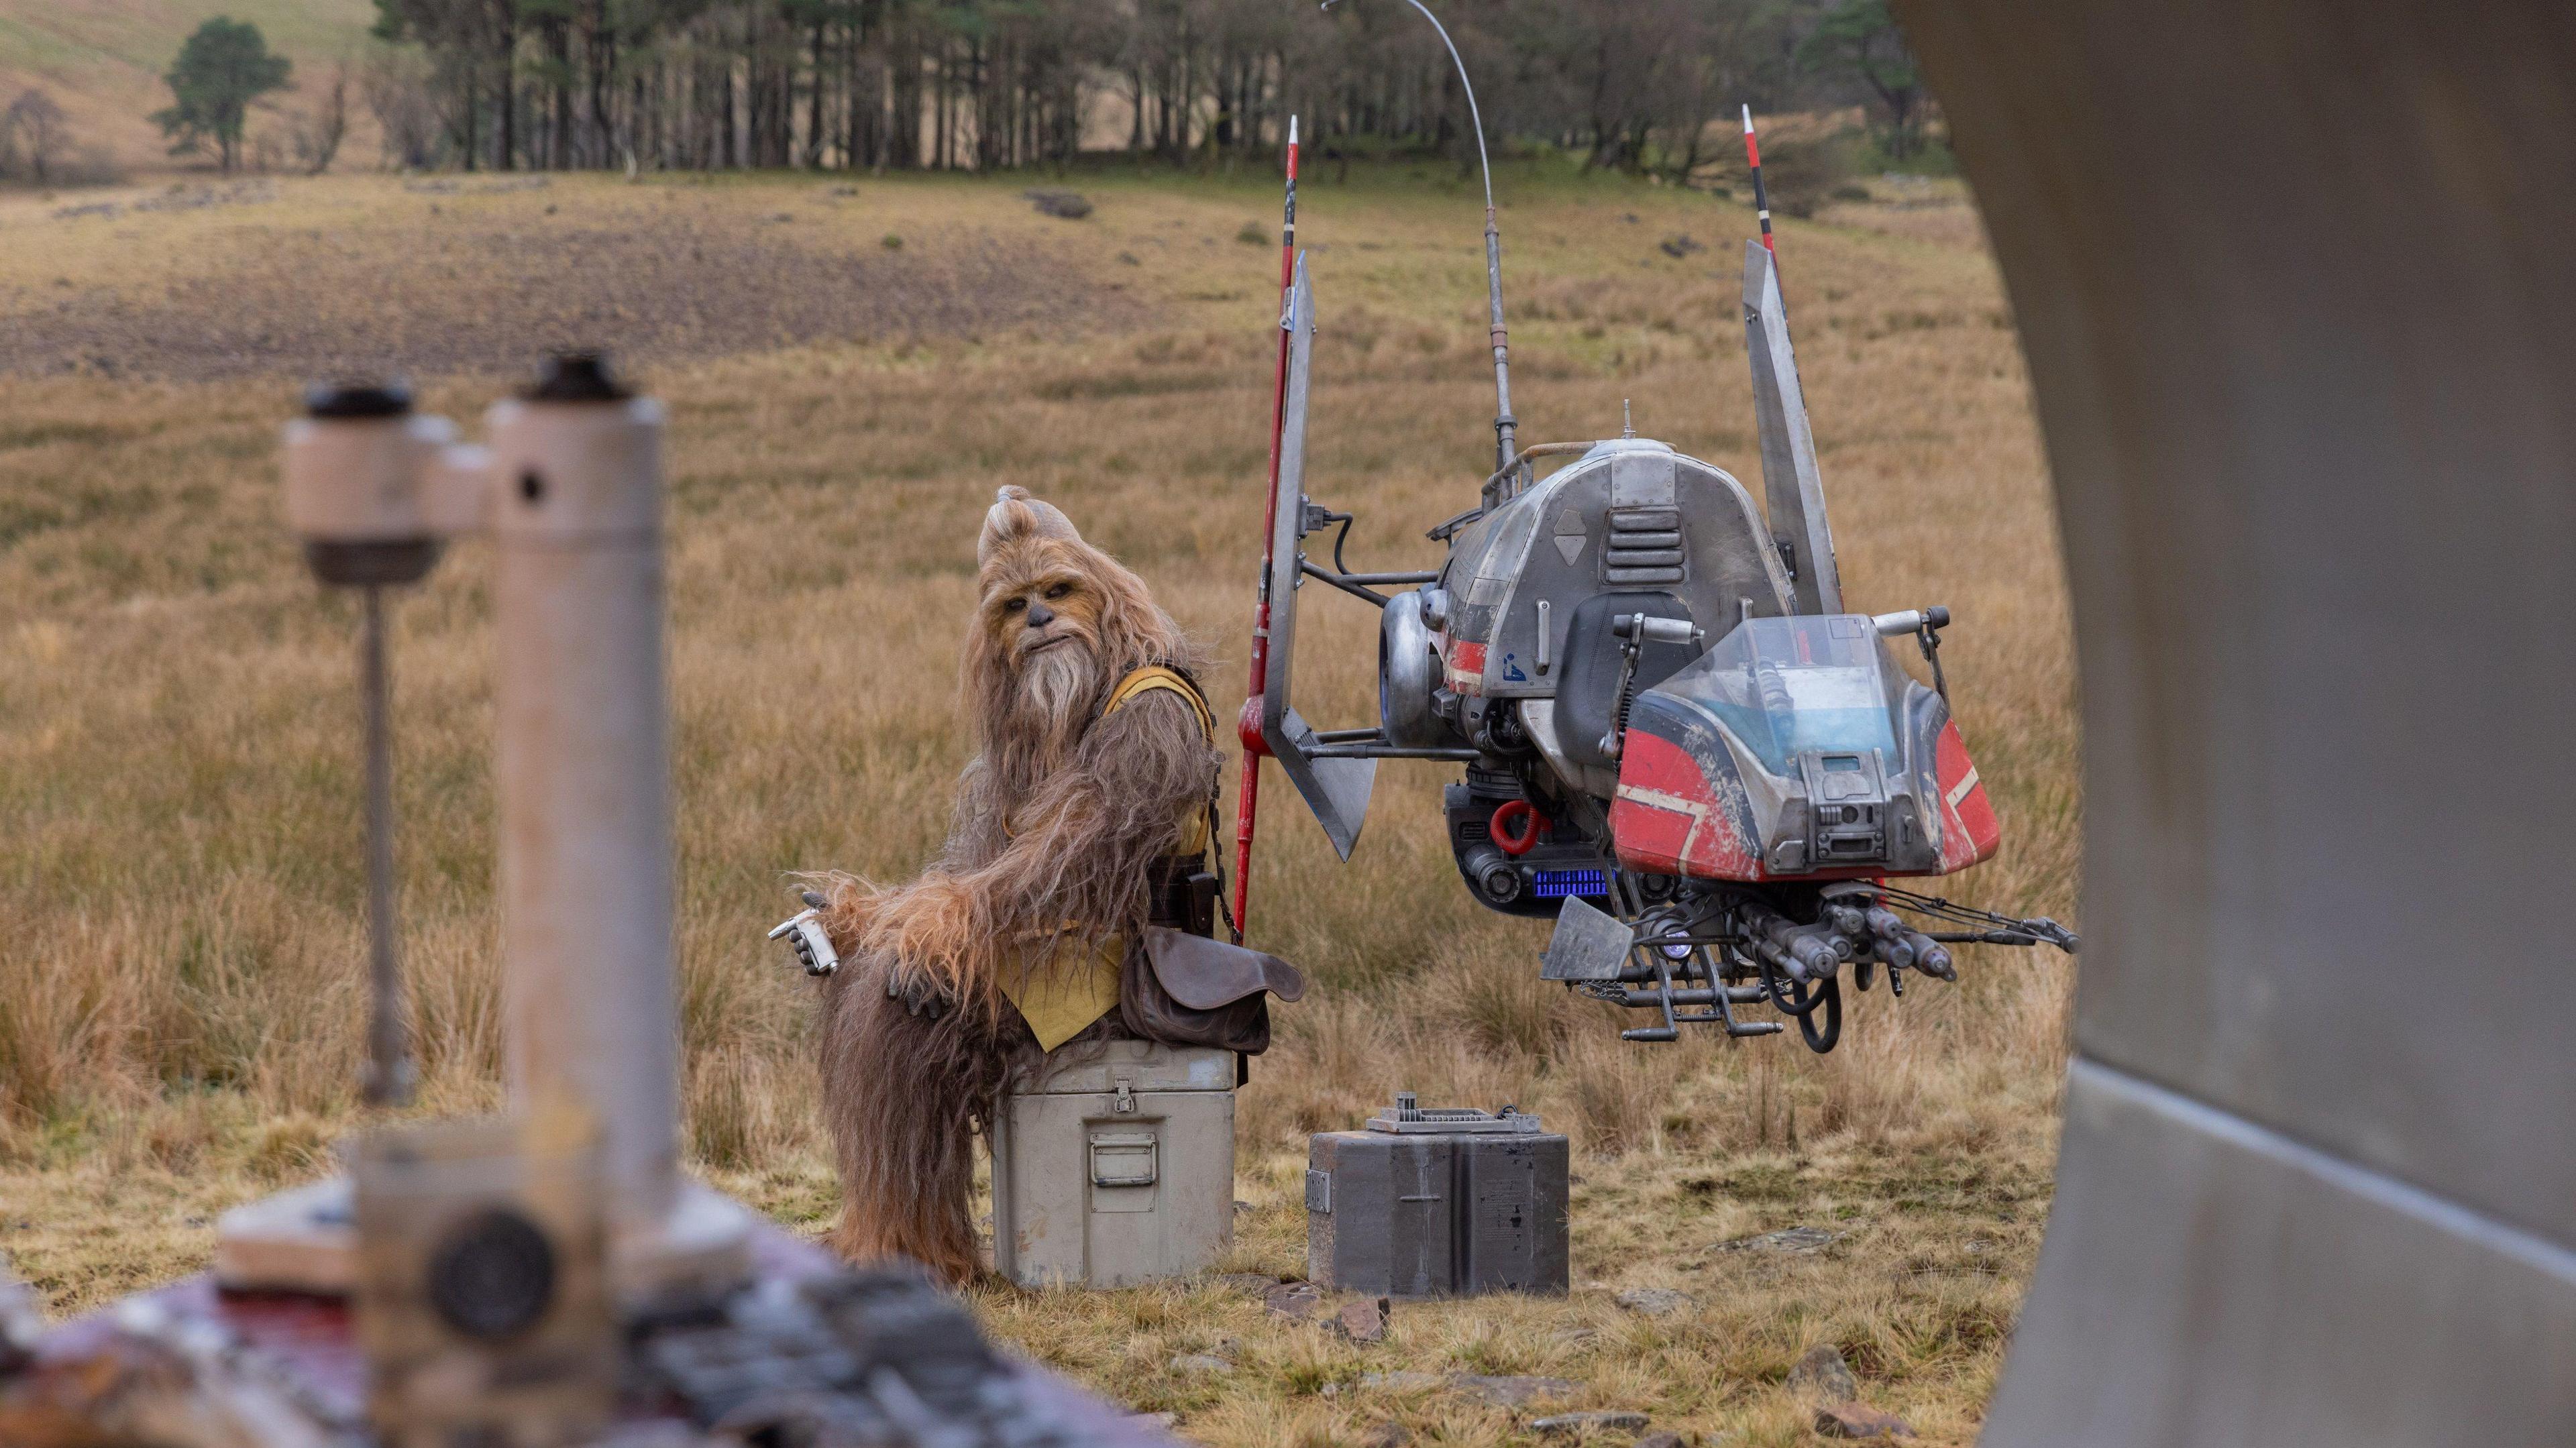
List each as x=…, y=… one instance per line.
x=1125, y=1104
x=1124, y=1159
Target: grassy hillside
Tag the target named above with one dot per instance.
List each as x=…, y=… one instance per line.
x=103, y=59
x=851, y=370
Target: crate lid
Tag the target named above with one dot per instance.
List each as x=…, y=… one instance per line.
x=1090, y=1068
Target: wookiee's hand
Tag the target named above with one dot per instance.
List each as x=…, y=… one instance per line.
x=921, y=996
x=805, y=934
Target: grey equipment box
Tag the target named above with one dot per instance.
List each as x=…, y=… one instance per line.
x=1115, y=1165
x=1437, y=1204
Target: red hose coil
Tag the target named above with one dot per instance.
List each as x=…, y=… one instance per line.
x=1518, y=813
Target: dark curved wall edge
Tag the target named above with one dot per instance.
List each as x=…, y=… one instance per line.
x=2297, y=284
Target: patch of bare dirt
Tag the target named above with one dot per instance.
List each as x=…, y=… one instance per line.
x=457, y=296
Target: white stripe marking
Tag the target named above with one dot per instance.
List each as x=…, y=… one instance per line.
x=1960, y=790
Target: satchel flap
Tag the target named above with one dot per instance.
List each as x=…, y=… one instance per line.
x=1204, y=974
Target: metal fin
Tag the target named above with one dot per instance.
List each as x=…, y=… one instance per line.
x=1589, y=944
x=1793, y=489
x=1337, y=790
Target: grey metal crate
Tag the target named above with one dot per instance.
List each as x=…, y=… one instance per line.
x=1422, y=1207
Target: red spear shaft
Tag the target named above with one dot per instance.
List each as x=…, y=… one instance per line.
x=1761, y=202
x=1248, y=727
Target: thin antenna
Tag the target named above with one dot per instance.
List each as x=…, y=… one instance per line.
x=1627, y=427
x=1506, y=426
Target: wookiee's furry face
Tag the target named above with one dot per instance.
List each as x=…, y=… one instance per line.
x=1041, y=619
x=1058, y=621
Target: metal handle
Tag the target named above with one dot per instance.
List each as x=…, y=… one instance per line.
x=1657, y=630
x=1899, y=624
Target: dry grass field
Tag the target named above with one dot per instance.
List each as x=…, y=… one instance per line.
x=852, y=368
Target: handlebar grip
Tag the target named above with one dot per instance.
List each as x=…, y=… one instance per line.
x=1658, y=630
x=1910, y=620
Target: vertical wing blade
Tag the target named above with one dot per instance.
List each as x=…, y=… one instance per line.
x=1337, y=790
x=1288, y=523
x=1793, y=489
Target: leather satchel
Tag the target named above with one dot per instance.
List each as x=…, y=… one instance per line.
x=1190, y=990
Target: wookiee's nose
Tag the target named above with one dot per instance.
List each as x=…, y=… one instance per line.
x=1039, y=614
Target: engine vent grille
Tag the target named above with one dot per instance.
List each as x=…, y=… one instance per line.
x=1645, y=547
x=1557, y=884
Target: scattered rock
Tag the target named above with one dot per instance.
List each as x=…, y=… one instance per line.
x=1662, y=1440
x=1403, y=1382
x=1389, y=1434
x=1654, y=1301
x=1242, y=1208
x=1296, y=1301
x=1128, y=258
x=1363, y=1321
x=1678, y=247
x=1859, y=1420
x=1152, y=1420
x=1823, y=1377
x=1069, y=205
x=1254, y=1284
x=1201, y=1365
x=1577, y=1425
x=1511, y=1391
x=1792, y=1241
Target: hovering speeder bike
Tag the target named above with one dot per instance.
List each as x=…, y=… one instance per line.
x=1677, y=741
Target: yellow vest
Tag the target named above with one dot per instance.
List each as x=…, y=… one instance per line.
x=1077, y=983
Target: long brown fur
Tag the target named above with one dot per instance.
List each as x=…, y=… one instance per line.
x=1057, y=819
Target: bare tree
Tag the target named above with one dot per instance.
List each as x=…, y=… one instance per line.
x=39, y=132
x=316, y=136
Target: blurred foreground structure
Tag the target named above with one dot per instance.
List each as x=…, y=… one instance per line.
x=550, y=1279
x=2293, y=282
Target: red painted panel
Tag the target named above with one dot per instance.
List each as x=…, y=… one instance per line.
x=1669, y=819
x=1466, y=667
x=1969, y=830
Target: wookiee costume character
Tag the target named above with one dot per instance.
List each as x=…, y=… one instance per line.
x=1080, y=832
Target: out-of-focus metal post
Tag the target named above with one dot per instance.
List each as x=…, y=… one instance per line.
x=570, y=488
x=583, y=769
x=353, y=492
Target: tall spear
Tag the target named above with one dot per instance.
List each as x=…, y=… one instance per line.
x=1248, y=727
x=1761, y=201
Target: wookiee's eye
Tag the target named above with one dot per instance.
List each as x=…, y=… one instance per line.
x=1058, y=590
x=1015, y=605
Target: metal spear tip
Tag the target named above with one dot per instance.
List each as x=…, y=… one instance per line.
x=576, y=376
x=356, y=399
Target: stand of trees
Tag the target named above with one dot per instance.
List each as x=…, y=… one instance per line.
x=984, y=84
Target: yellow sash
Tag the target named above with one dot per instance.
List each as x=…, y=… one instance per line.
x=1077, y=983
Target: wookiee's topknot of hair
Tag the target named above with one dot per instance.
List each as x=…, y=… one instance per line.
x=1016, y=517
